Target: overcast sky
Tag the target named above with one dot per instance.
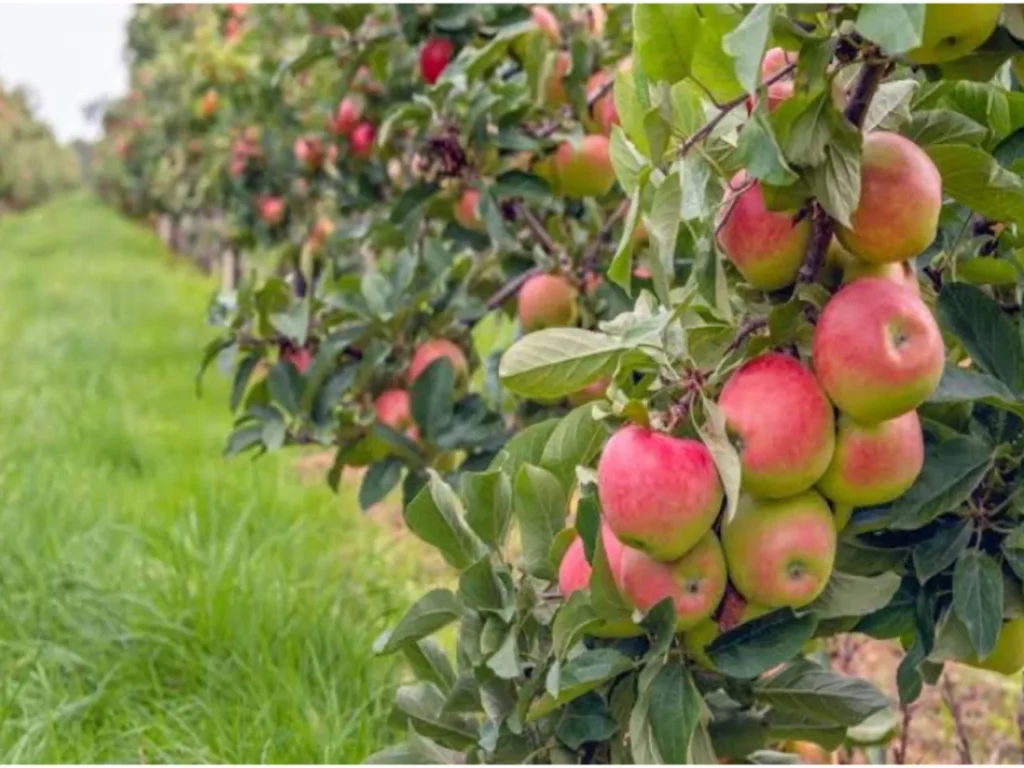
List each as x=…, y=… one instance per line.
x=69, y=55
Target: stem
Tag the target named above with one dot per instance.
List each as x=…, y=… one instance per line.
x=510, y=288
x=748, y=328
x=899, y=754
x=589, y=260
x=823, y=226
x=537, y=230
x=963, y=746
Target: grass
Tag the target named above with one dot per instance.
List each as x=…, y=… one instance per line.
x=157, y=602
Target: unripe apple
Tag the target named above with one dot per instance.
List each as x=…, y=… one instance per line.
x=875, y=463
x=547, y=301
x=434, y=57
x=952, y=30
x=900, y=200
x=782, y=423
x=767, y=247
x=695, y=582
x=429, y=351
x=346, y=117
x=584, y=168
x=464, y=210
x=899, y=272
x=1007, y=658
x=574, y=574
x=780, y=552
x=877, y=350
x=394, y=409
x=660, y=494
x=362, y=139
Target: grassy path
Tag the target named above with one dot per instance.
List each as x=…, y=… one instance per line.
x=158, y=603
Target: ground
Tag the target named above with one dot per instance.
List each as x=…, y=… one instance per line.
x=159, y=603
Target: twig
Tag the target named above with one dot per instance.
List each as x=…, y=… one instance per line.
x=537, y=230
x=510, y=288
x=823, y=226
x=748, y=328
x=899, y=753
x=963, y=746
x=589, y=260
x=726, y=108
x=566, y=112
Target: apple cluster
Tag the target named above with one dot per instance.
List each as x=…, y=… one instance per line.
x=814, y=440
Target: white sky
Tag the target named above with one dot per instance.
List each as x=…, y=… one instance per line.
x=69, y=55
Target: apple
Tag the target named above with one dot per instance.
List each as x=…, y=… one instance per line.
x=434, y=57
x=362, y=139
x=271, y=210
x=659, y=494
x=346, y=117
x=1007, y=658
x=695, y=582
x=899, y=272
x=429, y=351
x=874, y=463
x=465, y=212
x=583, y=168
x=782, y=422
x=877, y=350
x=309, y=152
x=574, y=574
x=394, y=410
x=952, y=30
x=900, y=200
x=780, y=552
x=545, y=23
x=554, y=94
x=775, y=60
x=301, y=358
x=547, y=301
x=767, y=247
x=208, y=104
x=604, y=114
x=591, y=392
x=321, y=230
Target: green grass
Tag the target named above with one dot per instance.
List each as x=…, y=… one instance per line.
x=159, y=603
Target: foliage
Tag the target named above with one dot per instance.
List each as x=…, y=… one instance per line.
x=492, y=463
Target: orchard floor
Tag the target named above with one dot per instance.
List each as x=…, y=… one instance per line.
x=157, y=602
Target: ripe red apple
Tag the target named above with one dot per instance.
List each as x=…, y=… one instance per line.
x=776, y=59
x=877, y=350
x=271, y=210
x=346, y=117
x=546, y=22
x=434, y=57
x=605, y=114
x=394, y=410
x=874, y=463
x=780, y=552
x=660, y=494
x=429, y=351
x=695, y=582
x=547, y=301
x=574, y=574
x=309, y=152
x=232, y=29
x=782, y=423
x=584, y=168
x=778, y=92
x=362, y=139
x=301, y=358
x=900, y=200
x=465, y=212
x=767, y=247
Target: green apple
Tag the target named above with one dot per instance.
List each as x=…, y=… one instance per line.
x=952, y=30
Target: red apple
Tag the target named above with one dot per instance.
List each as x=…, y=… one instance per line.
x=465, y=211
x=394, y=410
x=346, y=117
x=434, y=57
x=583, y=168
x=429, y=351
x=362, y=139
x=547, y=301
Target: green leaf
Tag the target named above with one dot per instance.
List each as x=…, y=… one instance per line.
x=587, y=719
x=488, y=497
x=713, y=434
x=422, y=705
x=808, y=689
x=580, y=675
x=435, y=516
x=878, y=729
x=810, y=132
x=836, y=183
x=556, y=362
x=627, y=161
x=890, y=107
x=847, y=594
x=896, y=27
x=986, y=332
x=674, y=711
x=711, y=66
x=527, y=186
x=978, y=599
x=525, y=448
x=746, y=45
x=756, y=646
x=664, y=39
x=482, y=589
x=380, y=479
x=430, y=663
x=942, y=126
x=575, y=441
x=436, y=609
x=620, y=271
x=759, y=152
x=941, y=549
x=784, y=725
x=540, y=507
x=574, y=617
x=663, y=221
x=987, y=270
x=951, y=471
x=241, y=381
x=978, y=182
x=631, y=118
x=421, y=751
x=962, y=386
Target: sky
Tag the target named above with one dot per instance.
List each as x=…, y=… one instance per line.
x=69, y=55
